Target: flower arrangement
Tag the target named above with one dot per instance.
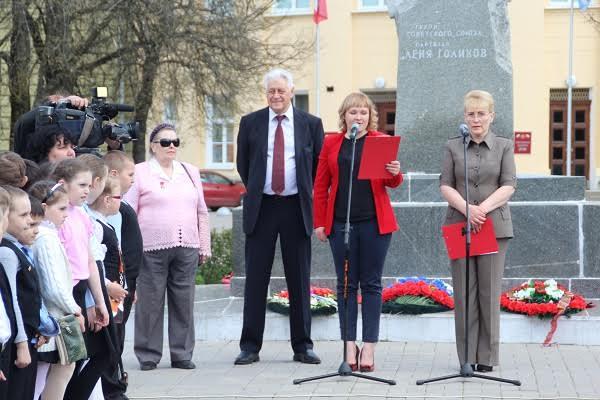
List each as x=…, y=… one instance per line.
x=417, y=295
x=543, y=299
x=322, y=302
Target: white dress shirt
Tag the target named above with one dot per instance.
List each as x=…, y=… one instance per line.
x=289, y=153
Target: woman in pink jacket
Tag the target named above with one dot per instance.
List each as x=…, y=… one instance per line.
x=167, y=196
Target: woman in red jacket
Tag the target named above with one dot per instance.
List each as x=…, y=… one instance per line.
x=372, y=222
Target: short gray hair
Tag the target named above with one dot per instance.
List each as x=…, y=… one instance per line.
x=278, y=73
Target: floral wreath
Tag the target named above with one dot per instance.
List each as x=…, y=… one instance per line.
x=545, y=299
x=322, y=302
x=417, y=295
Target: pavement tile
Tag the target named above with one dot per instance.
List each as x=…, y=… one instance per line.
x=559, y=371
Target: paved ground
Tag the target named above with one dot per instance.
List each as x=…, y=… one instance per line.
x=560, y=372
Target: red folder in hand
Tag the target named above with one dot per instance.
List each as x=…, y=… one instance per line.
x=482, y=242
x=378, y=151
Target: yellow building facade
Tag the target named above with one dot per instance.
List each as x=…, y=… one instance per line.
x=359, y=52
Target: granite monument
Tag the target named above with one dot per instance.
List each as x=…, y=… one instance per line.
x=446, y=48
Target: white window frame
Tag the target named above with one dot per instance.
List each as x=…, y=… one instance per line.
x=377, y=8
x=566, y=4
x=293, y=10
x=301, y=92
x=209, y=142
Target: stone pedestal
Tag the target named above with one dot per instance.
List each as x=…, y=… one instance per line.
x=556, y=233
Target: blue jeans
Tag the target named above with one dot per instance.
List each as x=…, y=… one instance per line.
x=367, y=255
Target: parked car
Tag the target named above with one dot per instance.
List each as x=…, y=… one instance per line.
x=220, y=191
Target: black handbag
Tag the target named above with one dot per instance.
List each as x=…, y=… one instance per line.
x=69, y=342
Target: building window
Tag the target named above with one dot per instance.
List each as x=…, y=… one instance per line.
x=567, y=4
x=287, y=6
x=301, y=101
x=219, y=138
x=372, y=5
x=560, y=3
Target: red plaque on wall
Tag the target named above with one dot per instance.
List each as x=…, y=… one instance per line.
x=522, y=142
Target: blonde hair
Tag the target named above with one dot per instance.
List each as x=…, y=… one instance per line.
x=479, y=98
x=116, y=160
x=4, y=202
x=357, y=99
x=96, y=164
x=112, y=186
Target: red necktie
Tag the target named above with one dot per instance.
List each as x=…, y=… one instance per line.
x=278, y=177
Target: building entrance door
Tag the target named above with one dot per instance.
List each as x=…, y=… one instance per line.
x=580, y=138
x=387, y=117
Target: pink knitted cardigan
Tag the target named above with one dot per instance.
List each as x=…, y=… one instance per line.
x=171, y=213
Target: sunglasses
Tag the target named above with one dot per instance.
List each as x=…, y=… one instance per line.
x=168, y=142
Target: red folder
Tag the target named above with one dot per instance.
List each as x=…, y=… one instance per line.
x=482, y=242
x=378, y=151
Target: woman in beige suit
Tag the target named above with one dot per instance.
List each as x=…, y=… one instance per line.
x=492, y=181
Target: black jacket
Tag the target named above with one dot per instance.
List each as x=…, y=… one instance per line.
x=28, y=291
x=132, y=245
x=6, y=297
x=252, y=143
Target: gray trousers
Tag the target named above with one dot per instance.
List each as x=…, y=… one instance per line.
x=172, y=270
x=485, y=285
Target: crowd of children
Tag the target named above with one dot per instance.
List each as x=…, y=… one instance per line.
x=71, y=248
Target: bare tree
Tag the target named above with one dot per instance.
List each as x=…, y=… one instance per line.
x=592, y=16
x=17, y=56
x=208, y=48
x=220, y=47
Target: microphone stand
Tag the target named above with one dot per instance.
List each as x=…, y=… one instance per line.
x=466, y=370
x=344, y=368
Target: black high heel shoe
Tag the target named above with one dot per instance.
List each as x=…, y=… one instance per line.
x=484, y=368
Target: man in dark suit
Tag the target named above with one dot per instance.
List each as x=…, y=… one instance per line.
x=277, y=153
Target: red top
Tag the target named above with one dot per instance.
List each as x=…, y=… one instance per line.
x=326, y=186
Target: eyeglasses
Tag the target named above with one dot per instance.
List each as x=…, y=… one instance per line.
x=168, y=142
x=477, y=115
x=51, y=192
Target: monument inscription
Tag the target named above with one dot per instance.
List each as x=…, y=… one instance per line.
x=446, y=48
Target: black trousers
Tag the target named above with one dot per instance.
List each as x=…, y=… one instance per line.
x=5, y=358
x=279, y=217
x=22, y=380
x=111, y=385
x=366, y=260
x=100, y=343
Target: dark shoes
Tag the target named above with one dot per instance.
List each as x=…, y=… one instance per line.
x=309, y=357
x=147, y=365
x=366, y=368
x=354, y=365
x=484, y=368
x=246, y=357
x=184, y=364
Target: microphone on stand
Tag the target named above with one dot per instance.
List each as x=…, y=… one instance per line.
x=354, y=131
x=464, y=130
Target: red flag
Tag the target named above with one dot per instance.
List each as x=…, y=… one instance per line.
x=320, y=13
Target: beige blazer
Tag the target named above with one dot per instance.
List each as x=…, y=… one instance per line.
x=491, y=165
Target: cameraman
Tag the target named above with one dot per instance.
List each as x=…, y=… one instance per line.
x=38, y=147
x=50, y=143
